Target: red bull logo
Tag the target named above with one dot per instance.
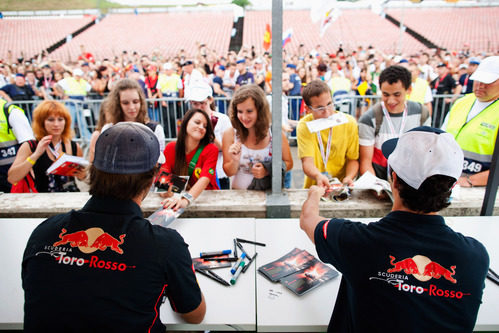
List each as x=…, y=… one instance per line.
x=91, y=240
x=422, y=268
x=407, y=265
x=75, y=239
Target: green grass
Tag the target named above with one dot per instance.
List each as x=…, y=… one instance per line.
x=17, y=5
x=20, y=5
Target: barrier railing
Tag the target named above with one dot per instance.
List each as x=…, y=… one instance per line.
x=169, y=111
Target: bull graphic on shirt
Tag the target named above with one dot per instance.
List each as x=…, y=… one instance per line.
x=422, y=268
x=91, y=240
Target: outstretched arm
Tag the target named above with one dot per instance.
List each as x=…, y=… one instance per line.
x=309, y=217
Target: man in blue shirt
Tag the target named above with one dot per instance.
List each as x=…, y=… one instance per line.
x=244, y=77
x=294, y=92
x=409, y=270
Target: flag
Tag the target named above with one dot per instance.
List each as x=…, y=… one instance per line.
x=286, y=37
x=267, y=37
x=329, y=17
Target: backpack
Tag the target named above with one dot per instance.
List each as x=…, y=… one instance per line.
x=378, y=115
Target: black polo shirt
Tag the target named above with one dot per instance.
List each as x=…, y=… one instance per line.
x=406, y=272
x=443, y=86
x=105, y=268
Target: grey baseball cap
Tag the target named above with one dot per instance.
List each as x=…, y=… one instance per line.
x=127, y=148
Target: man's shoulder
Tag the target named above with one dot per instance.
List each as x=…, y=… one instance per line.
x=308, y=117
x=368, y=116
x=466, y=98
x=414, y=108
x=217, y=79
x=302, y=124
x=8, y=87
x=51, y=225
x=163, y=234
x=450, y=79
x=335, y=226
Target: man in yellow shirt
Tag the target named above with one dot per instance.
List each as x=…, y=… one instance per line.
x=171, y=86
x=330, y=152
x=421, y=91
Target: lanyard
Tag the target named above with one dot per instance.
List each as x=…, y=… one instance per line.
x=438, y=82
x=325, y=154
x=55, y=150
x=389, y=120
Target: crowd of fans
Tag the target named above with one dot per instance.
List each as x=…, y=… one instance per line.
x=356, y=71
x=208, y=82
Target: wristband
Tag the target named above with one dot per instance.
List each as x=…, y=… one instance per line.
x=30, y=160
x=469, y=180
x=187, y=197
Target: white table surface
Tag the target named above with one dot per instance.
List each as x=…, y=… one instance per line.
x=279, y=309
x=312, y=311
x=14, y=234
x=228, y=308
x=284, y=312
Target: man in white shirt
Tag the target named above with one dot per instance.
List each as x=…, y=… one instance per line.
x=192, y=76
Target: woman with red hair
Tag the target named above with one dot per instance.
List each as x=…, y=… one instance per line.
x=52, y=129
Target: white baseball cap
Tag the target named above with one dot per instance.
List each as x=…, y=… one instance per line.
x=488, y=70
x=199, y=92
x=77, y=72
x=423, y=152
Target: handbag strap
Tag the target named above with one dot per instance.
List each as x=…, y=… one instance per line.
x=192, y=163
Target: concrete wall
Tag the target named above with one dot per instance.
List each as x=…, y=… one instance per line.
x=235, y=203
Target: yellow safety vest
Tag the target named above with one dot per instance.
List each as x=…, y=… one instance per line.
x=476, y=137
x=8, y=141
x=76, y=88
x=169, y=84
x=418, y=92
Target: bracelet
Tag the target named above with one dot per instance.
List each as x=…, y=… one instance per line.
x=187, y=196
x=469, y=180
x=30, y=160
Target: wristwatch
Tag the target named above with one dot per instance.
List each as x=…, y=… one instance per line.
x=188, y=197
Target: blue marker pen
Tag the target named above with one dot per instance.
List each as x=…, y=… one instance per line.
x=238, y=272
x=236, y=265
x=214, y=253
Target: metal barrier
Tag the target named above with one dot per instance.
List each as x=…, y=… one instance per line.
x=169, y=111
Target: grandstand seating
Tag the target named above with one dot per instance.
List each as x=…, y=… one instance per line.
x=353, y=28
x=450, y=28
x=171, y=31
x=33, y=34
x=167, y=32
